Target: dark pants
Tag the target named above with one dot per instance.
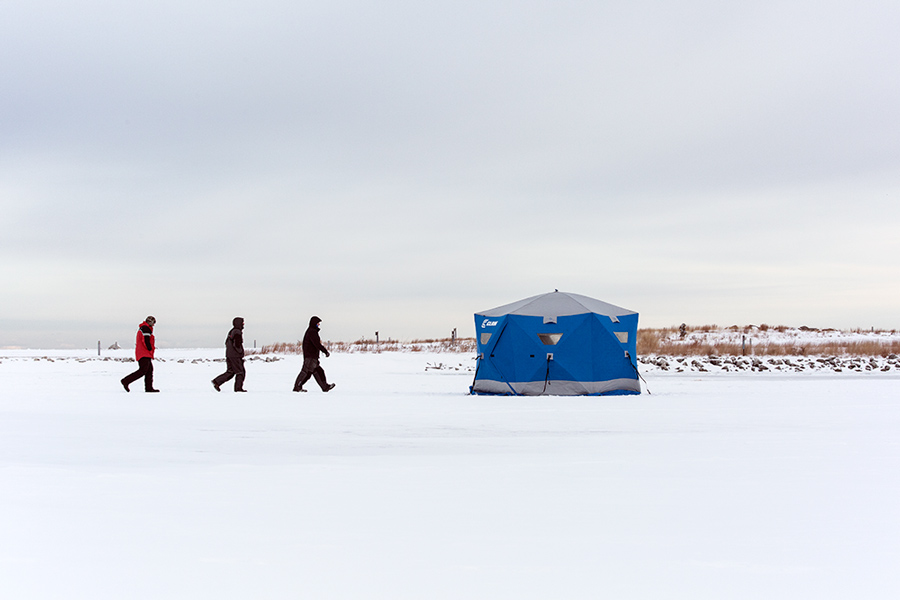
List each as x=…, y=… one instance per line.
x=236, y=370
x=311, y=368
x=145, y=370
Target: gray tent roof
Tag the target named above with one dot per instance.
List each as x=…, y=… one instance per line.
x=557, y=304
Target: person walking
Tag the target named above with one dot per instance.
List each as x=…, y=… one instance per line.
x=234, y=357
x=312, y=346
x=144, y=348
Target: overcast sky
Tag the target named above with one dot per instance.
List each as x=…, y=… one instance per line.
x=398, y=166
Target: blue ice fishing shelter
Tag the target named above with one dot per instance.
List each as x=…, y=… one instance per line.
x=556, y=344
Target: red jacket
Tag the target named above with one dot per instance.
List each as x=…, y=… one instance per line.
x=144, y=344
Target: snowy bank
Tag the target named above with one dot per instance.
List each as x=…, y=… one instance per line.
x=772, y=364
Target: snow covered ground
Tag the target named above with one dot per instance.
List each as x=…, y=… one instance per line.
x=775, y=484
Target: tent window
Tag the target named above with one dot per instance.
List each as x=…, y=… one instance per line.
x=485, y=338
x=550, y=339
x=622, y=335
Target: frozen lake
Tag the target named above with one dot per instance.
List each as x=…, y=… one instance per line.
x=398, y=484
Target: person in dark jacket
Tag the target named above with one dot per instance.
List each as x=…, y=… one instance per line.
x=312, y=346
x=144, y=348
x=234, y=357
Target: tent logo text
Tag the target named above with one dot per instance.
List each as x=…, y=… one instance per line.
x=488, y=323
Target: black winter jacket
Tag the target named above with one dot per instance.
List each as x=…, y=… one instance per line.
x=312, y=344
x=234, y=343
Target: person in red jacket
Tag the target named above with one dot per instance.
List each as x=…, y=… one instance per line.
x=144, y=347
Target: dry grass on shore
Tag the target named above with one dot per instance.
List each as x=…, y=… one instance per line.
x=705, y=340
x=460, y=345
x=710, y=340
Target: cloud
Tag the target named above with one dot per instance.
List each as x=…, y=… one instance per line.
x=395, y=158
